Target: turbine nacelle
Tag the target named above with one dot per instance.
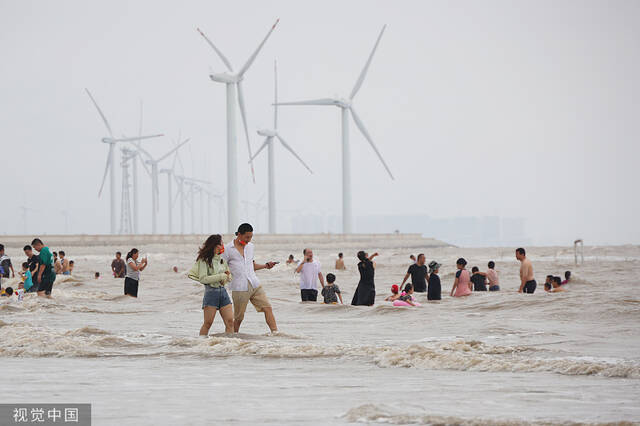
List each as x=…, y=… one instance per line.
x=225, y=78
x=268, y=133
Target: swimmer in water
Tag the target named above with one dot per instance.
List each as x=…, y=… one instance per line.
x=394, y=294
x=407, y=295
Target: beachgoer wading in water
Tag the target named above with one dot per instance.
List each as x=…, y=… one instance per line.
x=366, y=291
x=132, y=277
x=245, y=284
x=212, y=271
x=462, y=283
x=527, y=280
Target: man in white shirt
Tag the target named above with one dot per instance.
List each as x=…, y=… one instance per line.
x=245, y=286
x=309, y=271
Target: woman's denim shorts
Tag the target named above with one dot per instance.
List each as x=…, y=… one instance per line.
x=216, y=297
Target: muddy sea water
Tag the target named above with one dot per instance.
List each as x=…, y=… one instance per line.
x=490, y=358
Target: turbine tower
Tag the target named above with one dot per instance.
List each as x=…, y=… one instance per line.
x=110, y=167
x=346, y=107
x=126, y=225
x=269, y=143
x=155, y=191
x=233, y=82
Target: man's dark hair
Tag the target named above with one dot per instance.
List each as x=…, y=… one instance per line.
x=304, y=251
x=1, y=247
x=557, y=280
x=71, y=262
x=118, y=253
x=55, y=254
x=567, y=275
x=420, y=255
x=547, y=286
x=521, y=251
x=491, y=264
x=290, y=256
x=27, y=247
x=550, y=276
x=340, y=255
x=474, y=269
x=331, y=278
x=62, y=253
x=244, y=228
x=36, y=241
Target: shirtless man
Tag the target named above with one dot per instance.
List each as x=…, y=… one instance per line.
x=340, y=262
x=527, y=280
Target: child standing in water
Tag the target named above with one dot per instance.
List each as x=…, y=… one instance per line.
x=492, y=277
x=462, y=283
x=330, y=291
x=478, y=279
x=434, y=281
x=27, y=278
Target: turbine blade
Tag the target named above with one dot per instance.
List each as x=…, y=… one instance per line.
x=366, y=135
x=363, y=74
x=106, y=123
x=137, y=138
x=323, y=101
x=106, y=170
x=266, y=142
x=144, y=165
x=253, y=57
x=275, y=102
x=173, y=150
x=286, y=145
x=246, y=130
x=213, y=46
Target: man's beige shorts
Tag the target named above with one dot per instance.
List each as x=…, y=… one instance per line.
x=256, y=296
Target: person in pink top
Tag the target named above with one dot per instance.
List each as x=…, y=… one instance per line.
x=462, y=283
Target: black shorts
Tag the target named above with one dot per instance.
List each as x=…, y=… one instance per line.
x=309, y=295
x=131, y=287
x=46, y=284
x=529, y=286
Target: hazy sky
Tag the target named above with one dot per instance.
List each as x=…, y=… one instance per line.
x=507, y=108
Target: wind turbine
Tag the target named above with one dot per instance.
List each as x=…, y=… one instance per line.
x=269, y=143
x=110, y=167
x=234, y=82
x=170, y=177
x=155, y=192
x=346, y=106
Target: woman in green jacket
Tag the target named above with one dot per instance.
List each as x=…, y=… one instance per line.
x=211, y=270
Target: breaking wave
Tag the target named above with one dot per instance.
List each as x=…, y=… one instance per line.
x=460, y=355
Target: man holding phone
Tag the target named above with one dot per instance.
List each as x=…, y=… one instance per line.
x=245, y=286
x=309, y=270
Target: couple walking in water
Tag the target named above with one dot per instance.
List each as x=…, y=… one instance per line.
x=218, y=266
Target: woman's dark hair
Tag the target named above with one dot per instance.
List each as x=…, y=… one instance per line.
x=408, y=287
x=461, y=261
x=567, y=275
x=547, y=286
x=362, y=256
x=131, y=253
x=207, y=251
x=244, y=228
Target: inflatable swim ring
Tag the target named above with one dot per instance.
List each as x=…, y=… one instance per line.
x=403, y=303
